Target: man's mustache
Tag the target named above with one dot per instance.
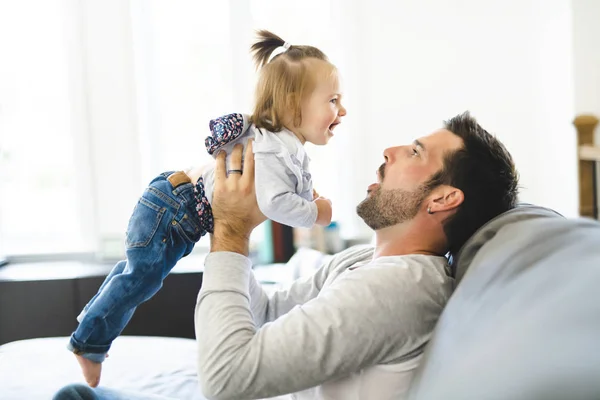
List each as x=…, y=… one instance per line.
x=382, y=171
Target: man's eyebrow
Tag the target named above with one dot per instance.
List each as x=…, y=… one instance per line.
x=419, y=144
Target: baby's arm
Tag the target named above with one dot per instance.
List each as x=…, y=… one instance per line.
x=277, y=197
x=324, y=211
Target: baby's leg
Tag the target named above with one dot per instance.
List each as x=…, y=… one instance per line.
x=157, y=219
x=117, y=269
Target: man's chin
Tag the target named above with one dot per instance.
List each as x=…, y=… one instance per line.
x=366, y=210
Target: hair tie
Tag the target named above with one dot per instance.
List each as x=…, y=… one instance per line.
x=281, y=49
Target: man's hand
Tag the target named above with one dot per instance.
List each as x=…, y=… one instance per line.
x=234, y=206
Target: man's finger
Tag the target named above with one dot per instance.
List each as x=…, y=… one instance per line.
x=220, y=170
x=249, y=163
x=235, y=161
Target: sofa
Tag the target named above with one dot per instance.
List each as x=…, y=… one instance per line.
x=524, y=320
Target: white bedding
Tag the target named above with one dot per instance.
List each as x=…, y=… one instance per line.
x=36, y=368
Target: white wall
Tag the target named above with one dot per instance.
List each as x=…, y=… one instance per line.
x=509, y=62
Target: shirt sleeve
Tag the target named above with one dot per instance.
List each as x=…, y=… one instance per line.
x=353, y=324
x=266, y=309
x=276, y=193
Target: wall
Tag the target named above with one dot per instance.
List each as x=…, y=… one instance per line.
x=405, y=66
x=508, y=62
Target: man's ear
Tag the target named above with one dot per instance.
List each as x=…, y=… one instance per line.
x=446, y=198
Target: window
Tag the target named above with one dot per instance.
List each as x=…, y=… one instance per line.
x=40, y=196
x=184, y=78
x=83, y=84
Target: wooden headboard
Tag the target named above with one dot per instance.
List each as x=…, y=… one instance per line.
x=589, y=155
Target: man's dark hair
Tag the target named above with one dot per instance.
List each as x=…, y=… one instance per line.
x=484, y=170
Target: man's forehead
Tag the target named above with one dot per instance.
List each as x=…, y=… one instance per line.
x=440, y=140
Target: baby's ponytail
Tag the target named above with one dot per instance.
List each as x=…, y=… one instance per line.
x=266, y=44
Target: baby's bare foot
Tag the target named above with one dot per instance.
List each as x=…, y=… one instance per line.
x=91, y=370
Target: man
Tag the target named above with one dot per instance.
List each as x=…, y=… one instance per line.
x=358, y=326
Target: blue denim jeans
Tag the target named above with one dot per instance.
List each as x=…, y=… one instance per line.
x=163, y=228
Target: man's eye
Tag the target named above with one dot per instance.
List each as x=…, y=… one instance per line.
x=415, y=152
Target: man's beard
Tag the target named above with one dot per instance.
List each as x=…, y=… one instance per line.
x=385, y=208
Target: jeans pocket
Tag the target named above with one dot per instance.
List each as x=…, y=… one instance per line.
x=144, y=223
x=190, y=229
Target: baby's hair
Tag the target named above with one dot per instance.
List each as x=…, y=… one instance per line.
x=268, y=42
x=283, y=80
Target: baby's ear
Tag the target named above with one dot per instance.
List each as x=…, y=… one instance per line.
x=293, y=104
x=292, y=101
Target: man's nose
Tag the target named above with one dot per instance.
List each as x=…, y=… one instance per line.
x=389, y=154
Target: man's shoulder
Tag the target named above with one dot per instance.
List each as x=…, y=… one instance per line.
x=354, y=254
x=404, y=274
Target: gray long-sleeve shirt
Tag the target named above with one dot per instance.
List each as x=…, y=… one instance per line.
x=357, y=326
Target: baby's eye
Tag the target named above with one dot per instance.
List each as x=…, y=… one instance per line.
x=415, y=152
x=333, y=101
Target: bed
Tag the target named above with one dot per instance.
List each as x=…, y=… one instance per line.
x=36, y=368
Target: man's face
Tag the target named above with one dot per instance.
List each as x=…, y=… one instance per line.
x=400, y=189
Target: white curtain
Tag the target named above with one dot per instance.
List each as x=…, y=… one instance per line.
x=43, y=192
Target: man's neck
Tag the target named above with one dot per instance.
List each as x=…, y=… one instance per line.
x=409, y=238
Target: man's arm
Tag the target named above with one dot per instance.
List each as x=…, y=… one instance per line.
x=269, y=308
x=233, y=225
x=353, y=325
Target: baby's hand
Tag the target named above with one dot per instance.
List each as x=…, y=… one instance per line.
x=315, y=195
x=324, y=211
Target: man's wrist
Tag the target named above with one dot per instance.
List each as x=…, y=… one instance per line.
x=224, y=238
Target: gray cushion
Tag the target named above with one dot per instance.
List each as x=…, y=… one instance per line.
x=524, y=322
x=521, y=213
